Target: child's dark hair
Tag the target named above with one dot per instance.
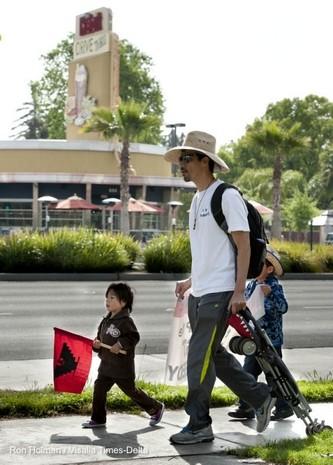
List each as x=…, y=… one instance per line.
x=123, y=292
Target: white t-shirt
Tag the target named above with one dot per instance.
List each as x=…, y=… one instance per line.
x=213, y=258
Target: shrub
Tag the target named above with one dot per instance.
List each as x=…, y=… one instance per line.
x=66, y=250
x=20, y=253
x=168, y=253
x=296, y=257
x=131, y=246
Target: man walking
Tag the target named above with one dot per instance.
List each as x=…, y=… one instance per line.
x=216, y=289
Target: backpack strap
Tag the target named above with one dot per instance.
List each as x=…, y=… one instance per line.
x=216, y=206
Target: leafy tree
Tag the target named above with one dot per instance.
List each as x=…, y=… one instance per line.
x=321, y=185
x=278, y=143
x=292, y=182
x=299, y=211
x=227, y=153
x=256, y=184
x=136, y=84
x=315, y=117
x=128, y=122
x=51, y=89
x=31, y=123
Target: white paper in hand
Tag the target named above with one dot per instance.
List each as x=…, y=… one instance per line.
x=256, y=303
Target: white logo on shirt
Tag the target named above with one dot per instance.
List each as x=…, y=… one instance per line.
x=113, y=331
x=204, y=212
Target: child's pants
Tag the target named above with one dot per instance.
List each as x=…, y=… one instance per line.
x=104, y=383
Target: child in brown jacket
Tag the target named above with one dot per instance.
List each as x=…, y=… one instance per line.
x=117, y=329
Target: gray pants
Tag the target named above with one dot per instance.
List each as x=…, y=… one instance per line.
x=207, y=359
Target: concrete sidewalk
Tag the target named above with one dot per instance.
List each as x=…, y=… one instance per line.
x=61, y=440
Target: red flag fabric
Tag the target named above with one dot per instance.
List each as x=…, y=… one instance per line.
x=71, y=361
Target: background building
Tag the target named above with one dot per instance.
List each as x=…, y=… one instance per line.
x=84, y=164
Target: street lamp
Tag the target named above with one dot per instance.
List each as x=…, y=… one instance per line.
x=110, y=201
x=47, y=199
x=174, y=141
x=174, y=204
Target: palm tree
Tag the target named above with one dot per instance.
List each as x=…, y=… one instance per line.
x=128, y=122
x=277, y=142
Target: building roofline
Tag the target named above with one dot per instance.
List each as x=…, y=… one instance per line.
x=160, y=181
x=87, y=145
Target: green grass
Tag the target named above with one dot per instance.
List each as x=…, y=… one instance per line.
x=46, y=402
x=314, y=450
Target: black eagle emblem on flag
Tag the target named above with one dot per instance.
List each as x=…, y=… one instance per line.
x=66, y=361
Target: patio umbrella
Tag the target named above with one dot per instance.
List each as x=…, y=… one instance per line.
x=261, y=208
x=76, y=203
x=137, y=206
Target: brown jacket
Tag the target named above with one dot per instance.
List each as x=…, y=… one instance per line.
x=120, y=328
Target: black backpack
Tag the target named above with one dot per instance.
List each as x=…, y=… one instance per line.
x=258, y=238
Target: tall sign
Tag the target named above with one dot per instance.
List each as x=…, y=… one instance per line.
x=94, y=71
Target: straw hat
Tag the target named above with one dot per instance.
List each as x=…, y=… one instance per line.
x=274, y=258
x=200, y=142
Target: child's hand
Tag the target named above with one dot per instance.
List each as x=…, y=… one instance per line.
x=115, y=349
x=97, y=344
x=266, y=289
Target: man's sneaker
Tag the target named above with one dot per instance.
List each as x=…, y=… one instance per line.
x=92, y=424
x=263, y=413
x=282, y=414
x=157, y=417
x=241, y=413
x=187, y=436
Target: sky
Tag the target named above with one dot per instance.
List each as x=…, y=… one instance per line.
x=219, y=63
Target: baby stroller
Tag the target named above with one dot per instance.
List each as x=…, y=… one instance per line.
x=253, y=340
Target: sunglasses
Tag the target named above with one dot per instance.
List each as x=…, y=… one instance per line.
x=188, y=157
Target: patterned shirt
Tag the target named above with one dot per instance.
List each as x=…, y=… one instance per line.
x=275, y=304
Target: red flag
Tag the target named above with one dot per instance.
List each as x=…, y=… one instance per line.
x=71, y=361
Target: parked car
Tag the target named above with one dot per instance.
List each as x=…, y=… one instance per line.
x=329, y=238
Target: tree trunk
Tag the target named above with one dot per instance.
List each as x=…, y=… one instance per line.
x=277, y=172
x=124, y=187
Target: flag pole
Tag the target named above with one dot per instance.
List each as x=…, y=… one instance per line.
x=106, y=346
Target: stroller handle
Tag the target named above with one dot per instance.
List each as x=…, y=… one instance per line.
x=246, y=314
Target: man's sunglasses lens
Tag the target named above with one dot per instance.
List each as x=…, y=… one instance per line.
x=186, y=158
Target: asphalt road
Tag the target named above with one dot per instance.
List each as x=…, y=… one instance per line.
x=30, y=310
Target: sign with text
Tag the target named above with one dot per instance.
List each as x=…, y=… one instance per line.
x=91, y=45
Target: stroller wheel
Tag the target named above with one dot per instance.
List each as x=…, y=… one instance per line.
x=316, y=428
x=248, y=346
x=234, y=344
x=242, y=345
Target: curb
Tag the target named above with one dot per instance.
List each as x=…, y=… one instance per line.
x=136, y=276
x=130, y=276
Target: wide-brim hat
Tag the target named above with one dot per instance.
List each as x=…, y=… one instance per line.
x=201, y=142
x=274, y=258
